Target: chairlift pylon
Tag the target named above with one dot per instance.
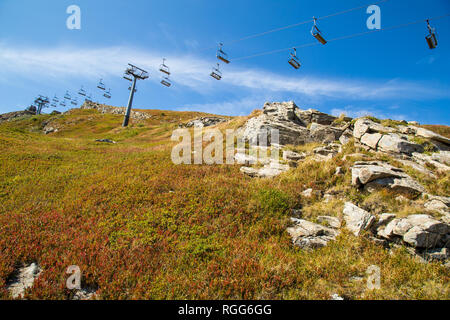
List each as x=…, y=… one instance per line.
x=221, y=55
x=101, y=85
x=216, y=74
x=129, y=89
x=431, y=38
x=164, y=68
x=294, y=62
x=107, y=94
x=316, y=33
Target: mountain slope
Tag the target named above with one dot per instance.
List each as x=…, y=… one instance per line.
x=139, y=226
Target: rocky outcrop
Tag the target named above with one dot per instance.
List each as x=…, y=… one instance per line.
x=205, y=122
x=376, y=174
x=16, y=115
x=102, y=108
x=291, y=122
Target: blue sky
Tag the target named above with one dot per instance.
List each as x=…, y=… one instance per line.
x=389, y=74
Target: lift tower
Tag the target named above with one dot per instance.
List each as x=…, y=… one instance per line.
x=41, y=102
x=137, y=74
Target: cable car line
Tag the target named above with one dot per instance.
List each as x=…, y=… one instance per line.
x=341, y=38
x=293, y=25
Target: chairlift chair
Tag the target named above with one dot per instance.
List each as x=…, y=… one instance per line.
x=62, y=104
x=216, y=74
x=101, y=85
x=431, y=38
x=67, y=96
x=317, y=33
x=107, y=94
x=164, y=68
x=82, y=92
x=166, y=82
x=126, y=76
x=74, y=102
x=89, y=97
x=221, y=55
x=294, y=62
x=55, y=99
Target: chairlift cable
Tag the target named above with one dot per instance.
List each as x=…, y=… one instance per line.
x=340, y=38
x=293, y=25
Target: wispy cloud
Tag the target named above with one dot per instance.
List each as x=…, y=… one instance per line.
x=193, y=72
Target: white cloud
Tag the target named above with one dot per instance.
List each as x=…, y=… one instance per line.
x=64, y=63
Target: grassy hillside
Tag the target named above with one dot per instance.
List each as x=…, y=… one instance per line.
x=140, y=227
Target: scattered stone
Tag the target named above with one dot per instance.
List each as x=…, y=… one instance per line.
x=22, y=279
x=49, y=129
x=84, y=294
x=337, y=297
x=419, y=231
x=308, y=235
x=294, y=156
x=427, y=161
x=417, y=167
x=328, y=151
x=442, y=157
x=436, y=205
x=333, y=222
x=324, y=134
x=365, y=125
x=268, y=171
x=339, y=171
x=424, y=133
x=345, y=137
x=376, y=174
x=309, y=193
x=371, y=139
x=395, y=144
x=105, y=141
x=357, y=219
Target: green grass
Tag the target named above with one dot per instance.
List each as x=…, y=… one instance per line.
x=140, y=227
